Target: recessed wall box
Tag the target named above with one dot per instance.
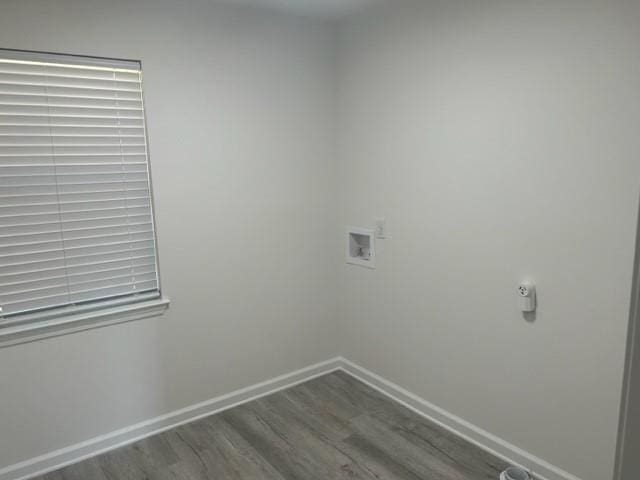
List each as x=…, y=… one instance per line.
x=360, y=248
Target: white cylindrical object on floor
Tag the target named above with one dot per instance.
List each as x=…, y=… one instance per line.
x=515, y=473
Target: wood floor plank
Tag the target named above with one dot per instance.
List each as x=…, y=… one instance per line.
x=335, y=401
x=310, y=400
x=331, y=428
x=321, y=423
x=320, y=438
x=214, y=449
x=419, y=430
x=380, y=463
x=295, y=451
x=140, y=460
x=465, y=455
x=423, y=459
x=79, y=471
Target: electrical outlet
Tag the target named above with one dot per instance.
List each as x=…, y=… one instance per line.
x=381, y=227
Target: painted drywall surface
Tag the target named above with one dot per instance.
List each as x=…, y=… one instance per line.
x=240, y=115
x=330, y=9
x=500, y=140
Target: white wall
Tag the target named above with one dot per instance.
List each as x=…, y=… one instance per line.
x=240, y=116
x=500, y=139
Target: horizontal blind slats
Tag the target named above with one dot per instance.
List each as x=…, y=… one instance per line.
x=37, y=199
x=32, y=258
x=89, y=282
x=38, y=274
x=67, y=70
x=14, y=170
x=48, y=150
x=89, y=187
x=70, y=179
x=91, y=257
x=75, y=205
x=62, y=121
x=35, y=219
x=27, y=268
x=68, y=253
x=29, y=79
x=45, y=89
x=107, y=248
x=35, y=294
x=77, y=234
x=62, y=277
x=70, y=225
x=49, y=159
x=114, y=291
x=57, y=268
x=43, y=303
x=61, y=132
x=20, y=291
x=82, y=112
x=140, y=264
x=53, y=142
x=69, y=102
x=88, y=260
x=49, y=231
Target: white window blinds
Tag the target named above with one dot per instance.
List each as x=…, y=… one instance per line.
x=76, y=221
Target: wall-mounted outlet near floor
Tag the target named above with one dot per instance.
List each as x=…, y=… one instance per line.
x=360, y=248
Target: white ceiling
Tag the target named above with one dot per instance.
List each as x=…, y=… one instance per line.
x=320, y=8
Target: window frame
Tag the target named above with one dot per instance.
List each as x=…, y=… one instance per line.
x=37, y=325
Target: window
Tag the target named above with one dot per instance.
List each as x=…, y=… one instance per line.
x=76, y=216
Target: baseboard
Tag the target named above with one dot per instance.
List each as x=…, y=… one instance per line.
x=103, y=443
x=539, y=468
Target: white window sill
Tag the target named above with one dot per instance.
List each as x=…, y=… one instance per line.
x=29, y=332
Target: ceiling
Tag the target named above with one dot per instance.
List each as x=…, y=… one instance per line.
x=319, y=8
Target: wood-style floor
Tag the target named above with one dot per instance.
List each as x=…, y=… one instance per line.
x=333, y=427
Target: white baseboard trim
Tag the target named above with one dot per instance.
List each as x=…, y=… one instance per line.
x=48, y=462
x=103, y=443
x=540, y=469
